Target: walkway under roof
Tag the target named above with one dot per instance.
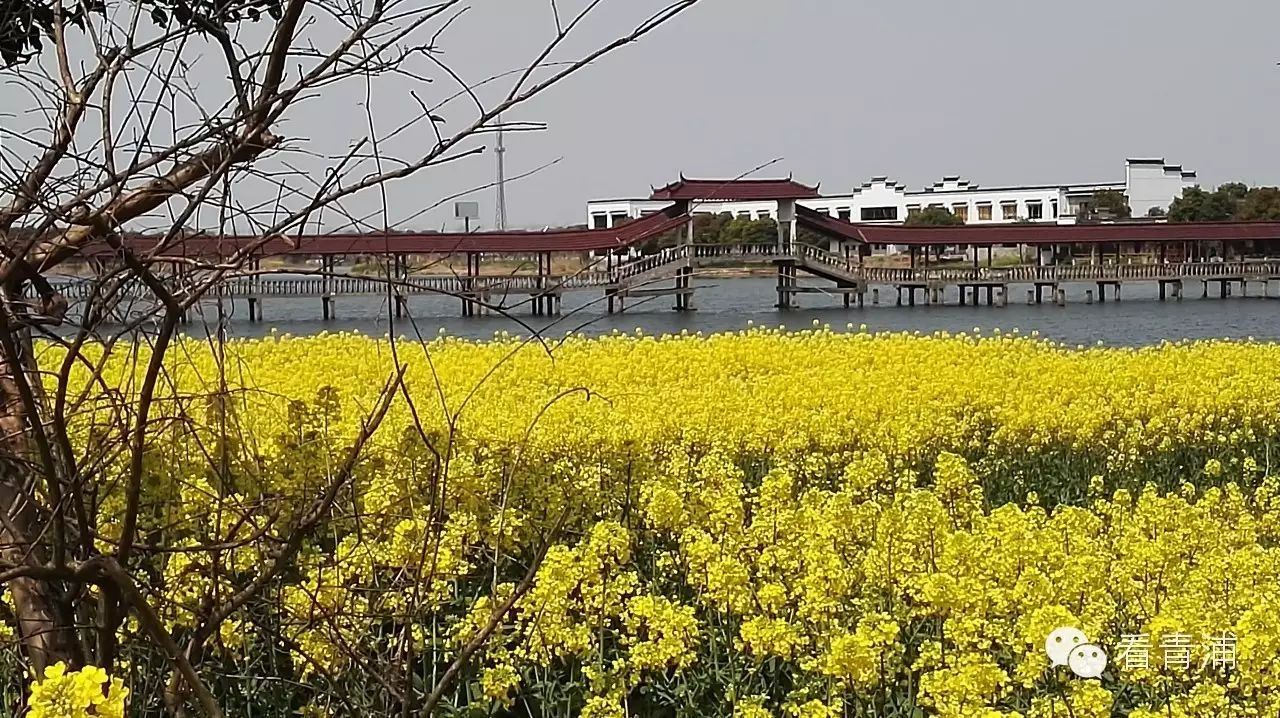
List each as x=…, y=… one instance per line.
x=406, y=243
x=682, y=193
x=1035, y=234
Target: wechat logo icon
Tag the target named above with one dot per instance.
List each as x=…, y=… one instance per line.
x=1068, y=646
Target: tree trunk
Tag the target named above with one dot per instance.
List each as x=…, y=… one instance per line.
x=45, y=624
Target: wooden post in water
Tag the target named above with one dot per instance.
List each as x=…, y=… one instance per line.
x=255, y=311
x=399, y=273
x=326, y=286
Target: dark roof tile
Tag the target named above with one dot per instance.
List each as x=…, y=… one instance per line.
x=742, y=190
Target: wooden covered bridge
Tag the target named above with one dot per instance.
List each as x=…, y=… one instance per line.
x=1221, y=257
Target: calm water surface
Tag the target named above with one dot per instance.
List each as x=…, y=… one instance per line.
x=734, y=304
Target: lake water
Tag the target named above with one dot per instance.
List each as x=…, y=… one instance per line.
x=734, y=304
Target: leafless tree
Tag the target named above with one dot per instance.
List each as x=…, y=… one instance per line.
x=114, y=142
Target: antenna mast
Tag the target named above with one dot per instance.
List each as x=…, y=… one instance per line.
x=501, y=150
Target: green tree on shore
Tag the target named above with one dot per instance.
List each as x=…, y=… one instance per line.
x=933, y=217
x=1110, y=204
x=1231, y=201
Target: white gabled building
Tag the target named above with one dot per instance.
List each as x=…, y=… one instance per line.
x=1148, y=184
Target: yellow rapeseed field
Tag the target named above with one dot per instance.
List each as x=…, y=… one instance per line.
x=803, y=524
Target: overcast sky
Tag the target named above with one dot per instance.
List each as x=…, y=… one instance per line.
x=999, y=91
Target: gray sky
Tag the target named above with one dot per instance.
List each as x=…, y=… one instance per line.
x=1000, y=91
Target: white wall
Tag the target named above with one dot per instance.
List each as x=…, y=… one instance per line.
x=882, y=194
x=1148, y=183
x=1151, y=183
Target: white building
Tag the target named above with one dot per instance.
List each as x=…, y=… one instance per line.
x=1148, y=184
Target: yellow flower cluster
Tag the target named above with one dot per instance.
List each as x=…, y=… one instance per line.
x=753, y=524
x=86, y=693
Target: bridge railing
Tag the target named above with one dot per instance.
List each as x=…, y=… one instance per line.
x=634, y=270
x=891, y=275
x=755, y=250
x=266, y=286
x=835, y=261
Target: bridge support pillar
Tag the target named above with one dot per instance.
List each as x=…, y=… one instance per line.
x=1224, y=289
x=1102, y=293
x=684, y=292
x=1032, y=295
x=1244, y=287
x=1118, y=286
x=1002, y=296
x=875, y=297
x=1177, y=291
x=786, y=285
x=1162, y=290
x=1204, y=289
x=327, y=263
x=399, y=301
x=1088, y=296
x=254, y=313
x=961, y=288
x=1062, y=297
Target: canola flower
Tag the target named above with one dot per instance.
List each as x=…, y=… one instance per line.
x=752, y=524
x=84, y=693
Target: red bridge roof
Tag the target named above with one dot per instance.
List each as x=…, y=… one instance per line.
x=509, y=242
x=735, y=190
x=1036, y=234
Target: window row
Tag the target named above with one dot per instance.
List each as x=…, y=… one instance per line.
x=986, y=210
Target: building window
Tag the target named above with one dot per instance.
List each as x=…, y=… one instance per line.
x=617, y=220
x=984, y=211
x=1035, y=210
x=599, y=221
x=1054, y=206
x=872, y=214
x=961, y=211
x=764, y=214
x=913, y=210
x=845, y=213
x=1008, y=210
x=745, y=215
